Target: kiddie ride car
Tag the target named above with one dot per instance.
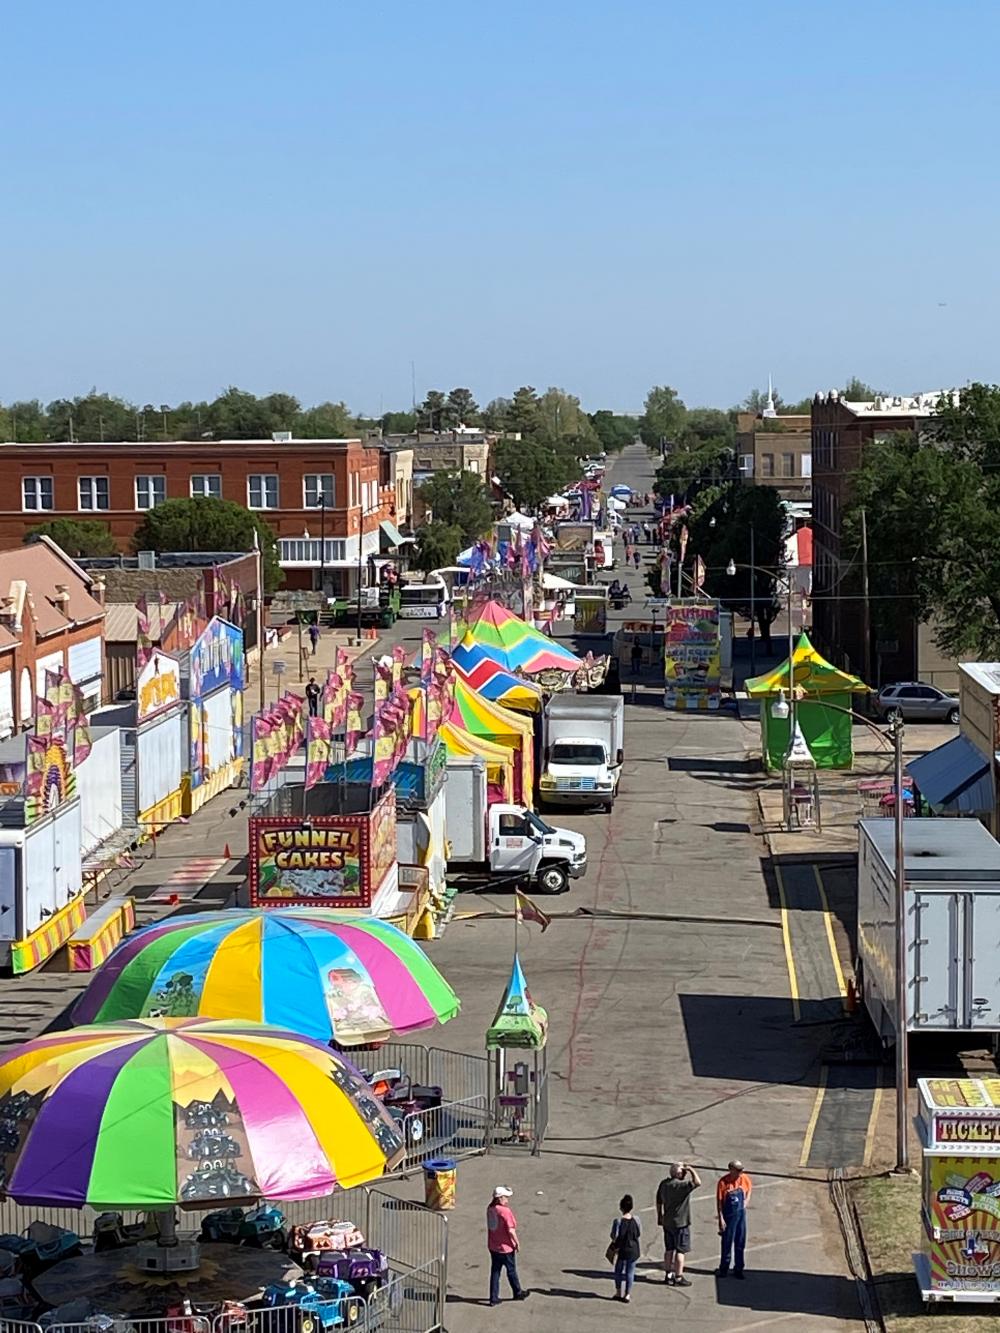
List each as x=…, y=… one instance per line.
x=338, y=1250
x=262, y=1228
x=323, y=1303
x=406, y=1101
x=41, y=1246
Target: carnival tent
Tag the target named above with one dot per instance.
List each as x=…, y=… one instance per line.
x=516, y=645
x=460, y=744
x=476, y=714
x=485, y=675
x=817, y=683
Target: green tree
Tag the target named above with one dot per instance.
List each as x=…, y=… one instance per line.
x=76, y=536
x=720, y=529
x=459, y=500
x=95, y=417
x=560, y=416
x=437, y=545
x=523, y=415
x=461, y=408
x=432, y=411
x=326, y=421
x=206, y=524
x=25, y=422
x=238, y=415
x=496, y=415
x=531, y=469
x=857, y=391
x=399, y=423
x=663, y=416
x=613, y=432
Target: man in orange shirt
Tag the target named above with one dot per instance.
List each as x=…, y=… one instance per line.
x=732, y=1194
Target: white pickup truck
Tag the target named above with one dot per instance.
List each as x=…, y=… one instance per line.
x=506, y=841
x=582, y=743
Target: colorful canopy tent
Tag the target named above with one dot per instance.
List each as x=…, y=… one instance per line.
x=520, y=1022
x=515, y=1046
x=329, y=975
x=516, y=645
x=827, y=731
x=157, y=1112
x=460, y=744
x=476, y=714
x=500, y=686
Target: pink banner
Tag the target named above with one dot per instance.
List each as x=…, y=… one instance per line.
x=317, y=751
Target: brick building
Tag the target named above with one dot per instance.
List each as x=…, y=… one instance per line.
x=51, y=617
x=461, y=450
x=776, y=451
x=311, y=492
x=881, y=641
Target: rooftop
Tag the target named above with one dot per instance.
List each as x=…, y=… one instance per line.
x=59, y=589
x=895, y=405
x=986, y=674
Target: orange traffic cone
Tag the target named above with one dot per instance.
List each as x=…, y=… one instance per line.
x=174, y=899
x=227, y=854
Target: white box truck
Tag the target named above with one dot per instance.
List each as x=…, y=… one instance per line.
x=952, y=926
x=583, y=738
x=506, y=841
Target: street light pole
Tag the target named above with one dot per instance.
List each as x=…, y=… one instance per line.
x=753, y=613
x=361, y=544
x=322, y=548
x=902, y=1042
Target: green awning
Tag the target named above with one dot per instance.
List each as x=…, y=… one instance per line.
x=391, y=533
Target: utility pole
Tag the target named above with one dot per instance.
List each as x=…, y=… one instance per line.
x=902, y=1036
x=866, y=619
x=260, y=615
x=753, y=615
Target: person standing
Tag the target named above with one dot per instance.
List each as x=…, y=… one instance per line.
x=313, y=692
x=732, y=1195
x=625, y=1235
x=636, y=557
x=501, y=1238
x=636, y=658
x=673, y=1214
x=314, y=636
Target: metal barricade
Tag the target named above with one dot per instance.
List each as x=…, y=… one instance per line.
x=411, y=1302
x=456, y=1129
x=181, y=1323
x=19, y=1326
x=407, y=1233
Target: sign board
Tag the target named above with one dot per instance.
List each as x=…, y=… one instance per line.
x=279, y=666
x=218, y=668
x=322, y=860
x=692, y=660
x=217, y=659
x=158, y=686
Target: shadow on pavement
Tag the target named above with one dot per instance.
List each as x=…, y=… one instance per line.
x=776, y=1290
x=728, y=1036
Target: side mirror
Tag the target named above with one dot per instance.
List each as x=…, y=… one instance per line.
x=621, y=757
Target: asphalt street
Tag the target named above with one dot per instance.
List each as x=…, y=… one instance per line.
x=673, y=1036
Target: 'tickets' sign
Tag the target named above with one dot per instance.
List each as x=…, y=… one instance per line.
x=158, y=685
x=322, y=861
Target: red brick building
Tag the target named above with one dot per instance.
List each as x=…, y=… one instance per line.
x=334, y=492
x=51, y=617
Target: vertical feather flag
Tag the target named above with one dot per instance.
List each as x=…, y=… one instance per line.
x=143, y=643
x=355, y=721
x=317, y=750
x=399, y=658
x=427, y=644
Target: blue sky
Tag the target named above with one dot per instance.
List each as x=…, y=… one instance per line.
x=592, y=195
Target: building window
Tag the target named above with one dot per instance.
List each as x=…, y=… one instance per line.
x=473, y=465
x=150, y=492
x=262, y=490
x=306, y=551
x=316, y=487
x=788, y=465
x=94, y=493
x=206, y=485
x=746, y=464
x=767, y=465
x=807, y=465
x=36, y=492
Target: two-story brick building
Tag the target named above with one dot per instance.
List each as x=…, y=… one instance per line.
x=776, y=450
x=321, y=497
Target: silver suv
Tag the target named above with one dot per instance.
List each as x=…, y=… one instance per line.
x=916, y=702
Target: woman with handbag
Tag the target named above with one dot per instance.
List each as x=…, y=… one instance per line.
x=624, y=1249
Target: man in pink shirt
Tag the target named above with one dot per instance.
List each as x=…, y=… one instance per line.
x=501, y=1237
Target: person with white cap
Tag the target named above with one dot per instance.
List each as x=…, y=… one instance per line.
x=501, y=1237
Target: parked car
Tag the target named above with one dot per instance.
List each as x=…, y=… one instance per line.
x=916, y=702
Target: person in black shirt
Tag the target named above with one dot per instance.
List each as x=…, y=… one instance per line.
x=673, y=1214
x=625, y=1233
x=313, y=692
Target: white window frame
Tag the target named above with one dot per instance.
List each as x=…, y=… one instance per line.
x=37, y=484
x=91, y=485
x=807, y=465
x=315, y=485
x=263, y=478
x=155, y=483
x=209, y=493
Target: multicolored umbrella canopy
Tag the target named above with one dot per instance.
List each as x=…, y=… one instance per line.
x=499, y=760
x=326, y=974
x=516, y=645
x=494, y=682
x=519, y=1022
x=149, y=1114
x=476, y=714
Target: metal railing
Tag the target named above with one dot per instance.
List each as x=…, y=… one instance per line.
x=455, y=1129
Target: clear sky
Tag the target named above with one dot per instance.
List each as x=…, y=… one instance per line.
x=594, y=195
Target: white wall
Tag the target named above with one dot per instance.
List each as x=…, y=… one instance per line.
x=217, y=720
x=6, y=704
x=159, y=746
x=52, y=871
x=99, y=786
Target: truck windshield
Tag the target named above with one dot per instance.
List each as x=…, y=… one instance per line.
x=539, y=825
x=577, y=752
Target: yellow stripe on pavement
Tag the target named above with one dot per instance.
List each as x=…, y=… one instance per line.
x=793, y=980
x=807, y=1142
x=828, y=923
x=873, y=1121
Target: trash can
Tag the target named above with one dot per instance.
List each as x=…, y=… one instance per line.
x=439, y=1184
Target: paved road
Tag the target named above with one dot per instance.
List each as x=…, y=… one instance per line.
x=672, y=1036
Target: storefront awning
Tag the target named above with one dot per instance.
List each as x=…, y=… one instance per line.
x=391, y=533
x=955, y=777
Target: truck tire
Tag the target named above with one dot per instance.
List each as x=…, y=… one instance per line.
x=609, y=806
x=553, y=879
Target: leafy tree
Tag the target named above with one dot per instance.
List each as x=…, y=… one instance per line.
x=238, y=415
x=756, y=401
x=857, y=391
x=459, y=500
x=94, y=417
x=437, y=545
x=461, y=408
x=720, y=531
x=663, y=416
x=531, y=469
x=26, y=422
x=204, y=523
x=496, y=414
x=76, y=536
x=613, y=432
x=523, y=415
x=561, y=416
x=326, y=421
x=398, y=423
x=432, y=411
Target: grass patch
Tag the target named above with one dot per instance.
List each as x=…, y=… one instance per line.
x=889, y=1212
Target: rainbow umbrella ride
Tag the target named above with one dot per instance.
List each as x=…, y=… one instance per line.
x=477, y=715
x=185, y=1111
x=485, y=675
x=516, y=645
x=329, y=975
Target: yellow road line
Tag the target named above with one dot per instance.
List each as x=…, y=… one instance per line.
x=793, y=980
x=828, y=923
x=873, y=1121
x=807, y=1142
